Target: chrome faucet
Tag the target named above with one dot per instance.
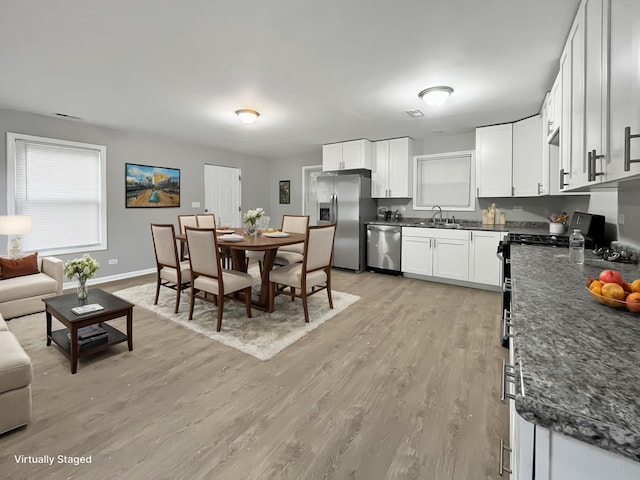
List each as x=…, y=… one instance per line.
x=435, y=213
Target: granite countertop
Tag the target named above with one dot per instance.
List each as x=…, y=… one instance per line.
x=579, y=359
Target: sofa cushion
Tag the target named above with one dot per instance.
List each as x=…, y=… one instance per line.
x=3, y=324
x=15, y=364
x=10, y=268
x=26, y=286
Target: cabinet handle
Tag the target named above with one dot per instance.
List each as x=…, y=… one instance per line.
x=477, y=191
x=389, y=192
x=627, y=149
x=513, y=191
x=508, y=376
x=539, y=187
x=502, y=468
x=589, y=167
x=562, y=174
x=592, y=166
x=507, y=325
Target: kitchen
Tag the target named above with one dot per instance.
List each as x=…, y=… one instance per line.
x=616, y=201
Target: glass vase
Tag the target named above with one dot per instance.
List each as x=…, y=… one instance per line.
x=251, y=229
x=82, y=291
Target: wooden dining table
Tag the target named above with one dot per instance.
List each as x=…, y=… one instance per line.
x=262, y=243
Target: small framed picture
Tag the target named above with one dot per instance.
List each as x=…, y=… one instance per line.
x=285, y=191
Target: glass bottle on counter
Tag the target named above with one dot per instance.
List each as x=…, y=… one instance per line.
x=576, y=247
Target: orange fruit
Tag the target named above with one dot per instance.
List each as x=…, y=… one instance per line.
x=596, y=287
x=635, y=285
x=614, y=294
x=633, y=302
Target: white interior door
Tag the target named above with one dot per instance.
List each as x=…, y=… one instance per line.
x=310, y=192
x=222, y=194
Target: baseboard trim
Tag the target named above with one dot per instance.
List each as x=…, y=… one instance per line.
x=110, y=278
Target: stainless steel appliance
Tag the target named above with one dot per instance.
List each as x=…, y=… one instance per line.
x=383, y=248
x=345, y=199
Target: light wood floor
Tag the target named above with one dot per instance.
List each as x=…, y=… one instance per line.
x=402, y=385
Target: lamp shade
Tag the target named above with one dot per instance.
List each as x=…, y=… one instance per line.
x=15, y=224
x=435, y=95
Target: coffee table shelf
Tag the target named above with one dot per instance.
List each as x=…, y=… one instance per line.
x=59, y=337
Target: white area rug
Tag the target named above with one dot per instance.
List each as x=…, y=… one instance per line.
x=262, y=336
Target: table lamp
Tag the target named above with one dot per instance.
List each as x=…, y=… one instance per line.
x=14, y=226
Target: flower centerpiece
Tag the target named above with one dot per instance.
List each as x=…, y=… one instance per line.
x=83, y=268
x=250, y=221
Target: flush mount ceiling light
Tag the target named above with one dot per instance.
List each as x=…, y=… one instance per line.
x=247, y=115
x=435, y=95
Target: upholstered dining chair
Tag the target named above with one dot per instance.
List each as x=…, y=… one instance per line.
x=172, y=272
x=205, y=220
x=185, y=221
x=209, y=281
x=310, y=276
x=287, y=254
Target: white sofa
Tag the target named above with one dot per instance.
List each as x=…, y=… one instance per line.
x=23, y=295
x=15, y=381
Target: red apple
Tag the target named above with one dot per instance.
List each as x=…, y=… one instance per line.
x=633, y=302
x=611, y=276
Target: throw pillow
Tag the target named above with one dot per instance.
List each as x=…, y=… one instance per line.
x=10, y=268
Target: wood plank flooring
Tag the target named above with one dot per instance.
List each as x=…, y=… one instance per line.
x=402, y=385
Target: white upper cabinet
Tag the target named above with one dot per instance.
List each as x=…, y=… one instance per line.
x=390, y=168
x=554, y=108
x=354, y=154
x=528, y=168
x=494, y=154
x=624, y=89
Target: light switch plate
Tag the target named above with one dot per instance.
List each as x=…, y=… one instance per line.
x=621, y=219
x=195, y=204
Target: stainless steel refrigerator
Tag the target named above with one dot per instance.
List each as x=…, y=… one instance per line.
x=345, y=199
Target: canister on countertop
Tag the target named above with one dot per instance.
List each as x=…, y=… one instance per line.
x=485, y=217
x=503, y=218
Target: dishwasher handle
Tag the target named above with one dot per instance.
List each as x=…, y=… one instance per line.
x=383, y=228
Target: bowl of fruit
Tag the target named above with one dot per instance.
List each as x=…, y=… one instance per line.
x=610, y=289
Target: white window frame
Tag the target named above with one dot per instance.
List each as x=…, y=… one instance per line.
x=12, y=138
x=470, y=200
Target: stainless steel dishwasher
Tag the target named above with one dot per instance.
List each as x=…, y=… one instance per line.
x=383, y=248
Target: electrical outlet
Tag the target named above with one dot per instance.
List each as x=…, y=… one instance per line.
x=621, y=219
x=113, y=261
x=517, y=208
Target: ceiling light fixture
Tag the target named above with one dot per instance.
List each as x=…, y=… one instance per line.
x=435, y=95
x=247, y=115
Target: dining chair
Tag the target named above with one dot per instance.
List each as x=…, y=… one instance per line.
x=172, y=272
x=183, y=222
x=208, y=277
x=287, y=254
x=310, y=276
x=205, y=220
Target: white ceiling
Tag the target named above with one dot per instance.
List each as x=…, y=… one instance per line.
x=319, y=71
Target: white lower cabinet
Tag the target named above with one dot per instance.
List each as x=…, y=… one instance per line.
x=462, y=255
x=484, y=266
x=436, y=252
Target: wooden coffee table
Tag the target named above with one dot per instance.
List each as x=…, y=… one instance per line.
x=60, y=307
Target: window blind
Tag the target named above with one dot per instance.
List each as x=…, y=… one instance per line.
x=61, y=186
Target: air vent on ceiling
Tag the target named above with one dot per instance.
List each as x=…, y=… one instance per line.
x=417, y=113
x=64, y=115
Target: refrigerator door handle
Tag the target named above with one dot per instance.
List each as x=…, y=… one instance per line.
x=333, y=206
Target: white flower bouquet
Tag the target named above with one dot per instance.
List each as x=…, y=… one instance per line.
x=83, y=268
x=252, y=215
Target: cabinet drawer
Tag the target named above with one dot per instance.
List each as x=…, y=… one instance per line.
x=449, y=234
x=417, y=232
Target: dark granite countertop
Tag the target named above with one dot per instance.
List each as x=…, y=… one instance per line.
x=579, y=359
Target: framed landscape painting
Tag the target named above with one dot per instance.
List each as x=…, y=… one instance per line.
x=152, y=187
x=285, y=191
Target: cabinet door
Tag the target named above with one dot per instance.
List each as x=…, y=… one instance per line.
x=416, y=255
x=576, y=131
x=380, y=169
x=400, y=155
x=624, y=86
x=485, y=267
x=356, y=154
x=565, y=132
x=494, y=160
x=451, y=258
x=331, y=157
x=555, y=106
x=596, y=85
x=527, y=158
